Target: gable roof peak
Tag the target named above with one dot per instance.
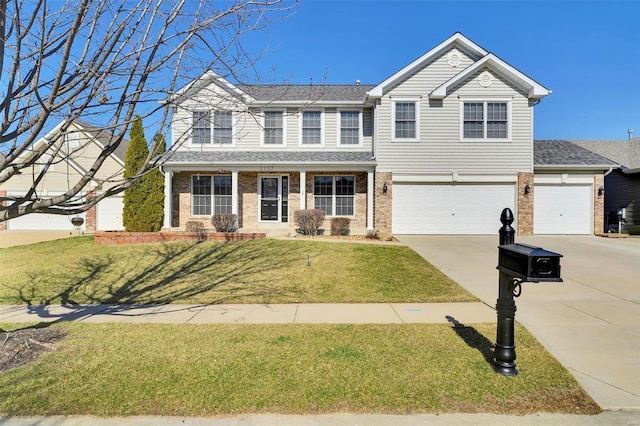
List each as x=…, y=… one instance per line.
x=456, y=39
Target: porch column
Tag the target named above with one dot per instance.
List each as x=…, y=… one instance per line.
x=370, y=197
x=168, y=177
x=303, y=189
x=234, y=192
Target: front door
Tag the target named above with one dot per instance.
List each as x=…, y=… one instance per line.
x=274, y=194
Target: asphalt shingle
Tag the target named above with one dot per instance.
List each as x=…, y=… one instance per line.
x=563, y=152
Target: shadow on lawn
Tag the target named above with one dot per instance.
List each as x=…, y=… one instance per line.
x=164, y=274
x=473, y=339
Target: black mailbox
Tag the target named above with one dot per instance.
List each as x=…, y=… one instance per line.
x=529, y=263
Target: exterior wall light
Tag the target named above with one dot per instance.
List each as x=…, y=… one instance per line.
x=385, y=188
x=527, y=189
x=601, y=191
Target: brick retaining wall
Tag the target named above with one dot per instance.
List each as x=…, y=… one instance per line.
x=123, y=238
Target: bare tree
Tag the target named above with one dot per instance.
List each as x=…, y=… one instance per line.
x=104, y=61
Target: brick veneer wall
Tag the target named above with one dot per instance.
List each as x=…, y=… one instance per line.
x=598, y=205
x=382, y=203
x=525, y=204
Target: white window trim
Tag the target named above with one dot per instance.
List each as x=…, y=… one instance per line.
x=484, y=101
x=212, y=196
x=334, y=196
x=322, y=127
x=234, y=126
x=192, y=128
x=393, y=120
x=284, y=127
x=339, y=127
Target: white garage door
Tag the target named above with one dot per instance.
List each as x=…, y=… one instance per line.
x=562, y=209
x=44, y=222
x=109, y=214
x=450, y=208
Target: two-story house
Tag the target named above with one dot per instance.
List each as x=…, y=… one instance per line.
x=440, y=147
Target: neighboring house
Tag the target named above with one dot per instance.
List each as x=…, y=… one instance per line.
x=83, y=144
x=622, y=186
x=440, y=147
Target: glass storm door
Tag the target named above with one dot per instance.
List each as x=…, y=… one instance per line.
x=274, y=194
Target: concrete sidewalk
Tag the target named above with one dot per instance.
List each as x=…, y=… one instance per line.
x=300, y=313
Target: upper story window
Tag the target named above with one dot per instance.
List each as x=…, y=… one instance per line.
x=201, y=132
x=350, y=128
x=405, y=121
x=485, y=121
x=223, y=127
x=211, y=195
x=311, y=128
x=274, y=133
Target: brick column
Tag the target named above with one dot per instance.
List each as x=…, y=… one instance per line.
x=598, y=205
x=525, y=204
x=382, y=207
x=90, y=218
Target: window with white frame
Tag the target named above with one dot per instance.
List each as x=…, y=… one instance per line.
x=405, y=120
x=350, y=127
x=485, y=120
x=335, y=195
x=223, y=127
x=201, y=128
x=311, y=128
x=211, y=195
x=273, y=128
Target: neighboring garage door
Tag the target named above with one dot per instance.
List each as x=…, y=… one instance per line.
x=109, y=214
x=43, y=222
x=450, y=208
x=562, y=209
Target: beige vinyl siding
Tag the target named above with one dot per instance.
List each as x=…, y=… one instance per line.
x=440, y=149
x=248, y=122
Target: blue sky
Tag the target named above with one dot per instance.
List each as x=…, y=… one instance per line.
x=586, y=52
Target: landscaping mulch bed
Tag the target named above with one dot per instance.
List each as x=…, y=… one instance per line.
x=21, y=347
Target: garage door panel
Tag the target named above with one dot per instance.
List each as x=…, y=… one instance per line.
x=450, y=208
x=109, y=214
x=43, y=222
x=562, y=209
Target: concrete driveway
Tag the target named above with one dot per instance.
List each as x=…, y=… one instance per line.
x=590, y=322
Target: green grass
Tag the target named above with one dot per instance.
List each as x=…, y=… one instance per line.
x=207, y=370
x=75, y=271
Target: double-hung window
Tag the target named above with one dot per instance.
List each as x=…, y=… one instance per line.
x=485, y=121
x=334, y=194
x=405, y=120
x=350, y=128
x=223, y=127
x=273, y=128
x=311, y=128
x=201, y=128
x=211, y=195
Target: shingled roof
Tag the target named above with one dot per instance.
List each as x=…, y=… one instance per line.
x=274, y=157
x=565, y=153
x=624, y=152
x=308, y=92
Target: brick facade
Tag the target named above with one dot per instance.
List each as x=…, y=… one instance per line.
x=524, y=215
x=3, y=225
x=382, y=203
x=598, y=204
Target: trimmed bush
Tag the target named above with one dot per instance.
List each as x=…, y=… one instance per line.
x=224, y=222
x=340, y=226
x=194, y=226
x=309, y=221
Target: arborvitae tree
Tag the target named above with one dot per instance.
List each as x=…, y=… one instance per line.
x=136, y=194
x=152, y=211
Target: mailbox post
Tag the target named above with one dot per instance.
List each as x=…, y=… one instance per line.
x=517, y=263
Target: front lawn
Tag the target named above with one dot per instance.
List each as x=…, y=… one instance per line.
x=75, y=271
x=207, y=370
